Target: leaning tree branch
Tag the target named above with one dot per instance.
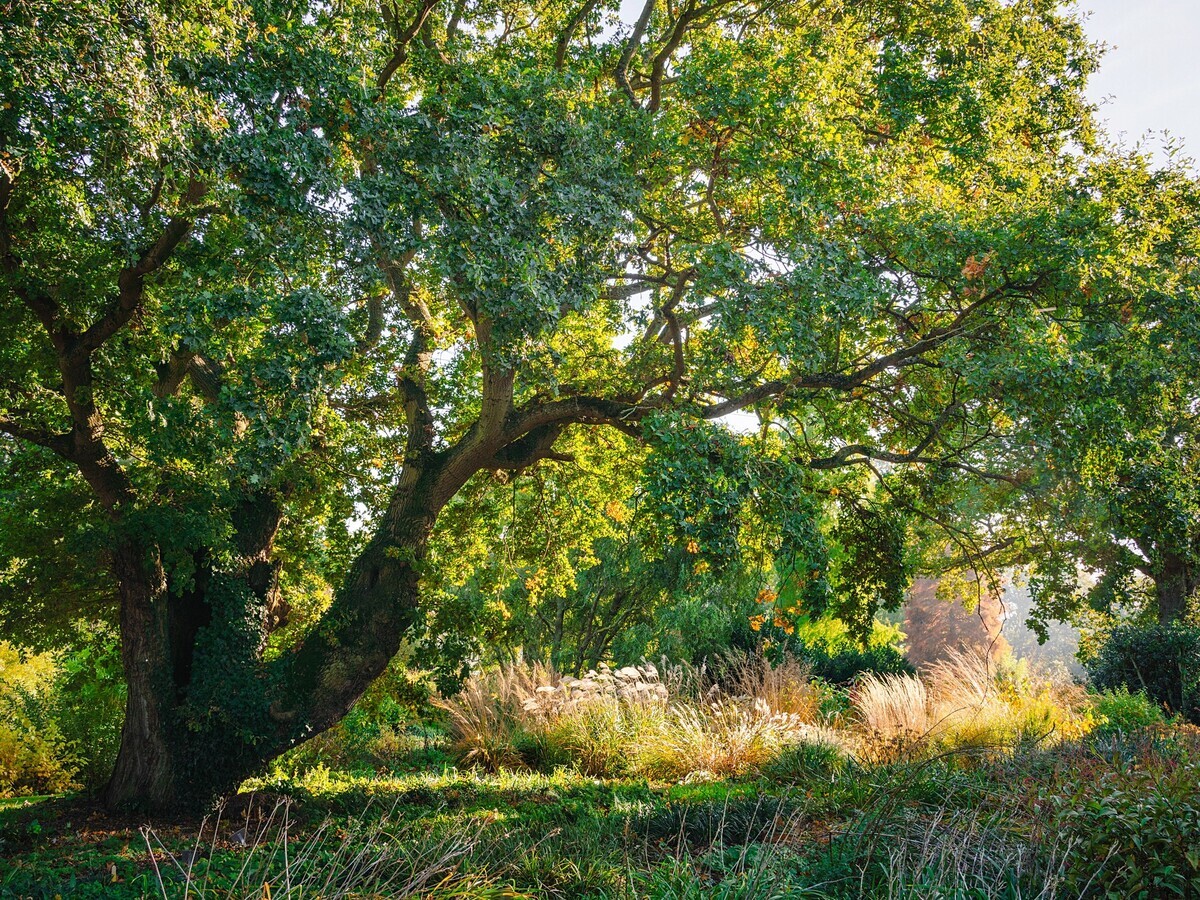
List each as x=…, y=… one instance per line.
x=395, y=273
x=631, y=45
x=526, y=434
x=903, y=356
x=206, y=374
x=59, y=443
x=679, y=361
x=132, y=279
x=688, y=16
x=577, y=411
x=417, y=412
x=530, y=448
x=832, y=380
x=568, y=32
x=403, y=38
x=863, y=454
x=657, y=68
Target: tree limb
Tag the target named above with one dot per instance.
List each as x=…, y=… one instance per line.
x=635, y=38
x=131, y=281
x=831, y=380
x=60, y=444
x=658, y=66
x=403, y=39
x=568, y=33
x=850, y=380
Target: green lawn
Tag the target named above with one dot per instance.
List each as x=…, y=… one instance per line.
x=1121, y=814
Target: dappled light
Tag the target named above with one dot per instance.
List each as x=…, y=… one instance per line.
x=586, y=449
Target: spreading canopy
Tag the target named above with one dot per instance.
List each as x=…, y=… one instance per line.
x=274, y=267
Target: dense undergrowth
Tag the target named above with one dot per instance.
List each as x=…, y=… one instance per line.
x=60, y=714
x=751, y=781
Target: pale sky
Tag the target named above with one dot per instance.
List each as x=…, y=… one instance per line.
x=1150, y=79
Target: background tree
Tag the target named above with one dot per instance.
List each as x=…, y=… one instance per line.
x=279, y=280
x=1104, y=512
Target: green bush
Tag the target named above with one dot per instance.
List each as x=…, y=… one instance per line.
x=35, y=756
x=1163, y=661
x=89, y=701
x=61, y=713
x=384, y=727
x=1133, y=831
x=843, y=665
x=806, y=761
x=838, y=657
x=1120, y=710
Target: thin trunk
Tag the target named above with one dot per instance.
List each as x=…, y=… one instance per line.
x=612, y=626
x=560, y=612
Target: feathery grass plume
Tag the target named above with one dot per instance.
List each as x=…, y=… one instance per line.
x=967, y=709
x=485, y=718
x=893, y=705
x=717, y=740
x=962, y=679
x=628, y=721
x=502, y=716
x=988, y=705
x=785, y=687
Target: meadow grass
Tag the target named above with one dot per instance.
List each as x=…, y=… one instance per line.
x=981, y=783
x=1048, y=822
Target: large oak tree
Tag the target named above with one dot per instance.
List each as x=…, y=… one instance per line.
x=272, y=264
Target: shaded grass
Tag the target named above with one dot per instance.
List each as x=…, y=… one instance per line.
x=817, y=825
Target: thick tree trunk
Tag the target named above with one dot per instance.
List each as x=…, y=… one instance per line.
x=145, y=769
x=179, y=747
x=204, y=712
x=196, y=716
x=362, y=630
x=1174, y=584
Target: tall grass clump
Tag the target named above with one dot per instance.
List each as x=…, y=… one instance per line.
x=488, y=716
x=964, y=702
x=629, y=722
x=532, y=716
x=893, y=705
x=784, y=686
x=738, y=716
x=918, y=841
x=721, y=739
